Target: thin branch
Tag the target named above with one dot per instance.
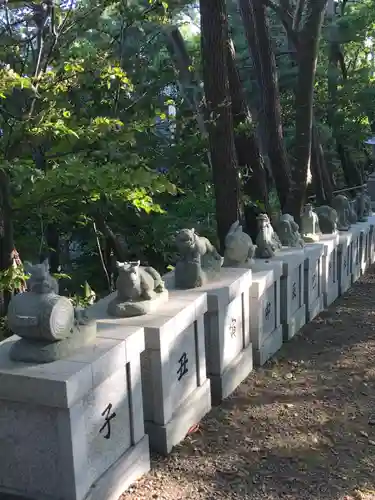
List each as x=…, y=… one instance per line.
x=101, y=256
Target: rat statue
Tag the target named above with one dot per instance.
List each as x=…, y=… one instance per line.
x=139, y=290
x=267, y=242
x=327, y=219
x=310, y=224
x=239, y=248
x=288, y=232
x=197, y=260
x=342, y=206
x=48, y=324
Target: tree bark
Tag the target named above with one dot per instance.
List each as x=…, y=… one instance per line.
x=258, y=38
x=336, y=65
x=308, y=43
x=6, y=233
x=323, y=188
x=214, y=29
x=248, y=152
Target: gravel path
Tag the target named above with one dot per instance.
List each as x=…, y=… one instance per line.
x=302, y=427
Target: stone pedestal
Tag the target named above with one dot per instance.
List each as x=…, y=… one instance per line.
x=313, y=280
x=371, y=221
x=73, y=429
x=176, y=392
x=330, y=274
x=356, y=230
x=364, y=246
x=292, y=297
x=229, y=353
x=345, y=247
x=265, y=328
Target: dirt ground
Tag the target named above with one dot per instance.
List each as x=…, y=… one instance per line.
x=302, y=427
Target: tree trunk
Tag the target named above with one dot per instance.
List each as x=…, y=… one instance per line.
x=52, y=236
x=247, y=147
x=308, y=43
x=336, y=65
x=6, y=233
x=258, y=38
x=214, y=29
x=323, y=187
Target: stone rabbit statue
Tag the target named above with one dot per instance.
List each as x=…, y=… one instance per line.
x=239, y=248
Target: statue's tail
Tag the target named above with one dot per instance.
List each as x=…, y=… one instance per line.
x=159, y=283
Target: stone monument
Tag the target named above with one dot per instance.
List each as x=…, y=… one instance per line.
x=48, y=324
x=361, y=206
x=368, y=209
x=198, y=260
x=342, y=206
x=288, y=232
x=239, y=248
x=310, y=224
x=267, y=242
x=327, y=219
x=140, y=290
x=353, y=213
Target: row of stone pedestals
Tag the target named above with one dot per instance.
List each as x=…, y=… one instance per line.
x=83, y=427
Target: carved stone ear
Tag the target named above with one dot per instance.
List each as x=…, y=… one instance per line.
x=193, y=230
x=45, y=264
x=119, y=265
x=137, y=263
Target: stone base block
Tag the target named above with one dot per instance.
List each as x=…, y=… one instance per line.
x=315, y=308
x=129, y=467
x=173, y=365
x=371, y=256
x=296, y=321
x=164, y=437
x=226, y=326
x=345, y=261
x=69, y=429
x=270, y=346
x=223, y=385
x=365, y=244
x=355, y=274
x=356, y=231
x=314, y=279
x=330, y=268
x=265, y=329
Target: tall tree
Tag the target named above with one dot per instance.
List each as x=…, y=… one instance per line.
x=259, y=42
x=214, y=29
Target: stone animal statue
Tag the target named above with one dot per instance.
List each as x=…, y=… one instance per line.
x=267, y=242
x=310, y=224
x=361, y=207
x=197, y=257
x=288, y=232
x=137, y=283
x=239, y=247
x=40, y=280
x=327, y=219
x=368, y=209
x=353, y=213
x=49, y=325
x=342, y=206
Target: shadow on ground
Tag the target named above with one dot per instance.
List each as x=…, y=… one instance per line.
x=301, y=427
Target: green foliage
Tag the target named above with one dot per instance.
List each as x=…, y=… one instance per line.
x=12, y=279
x=88, y=132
